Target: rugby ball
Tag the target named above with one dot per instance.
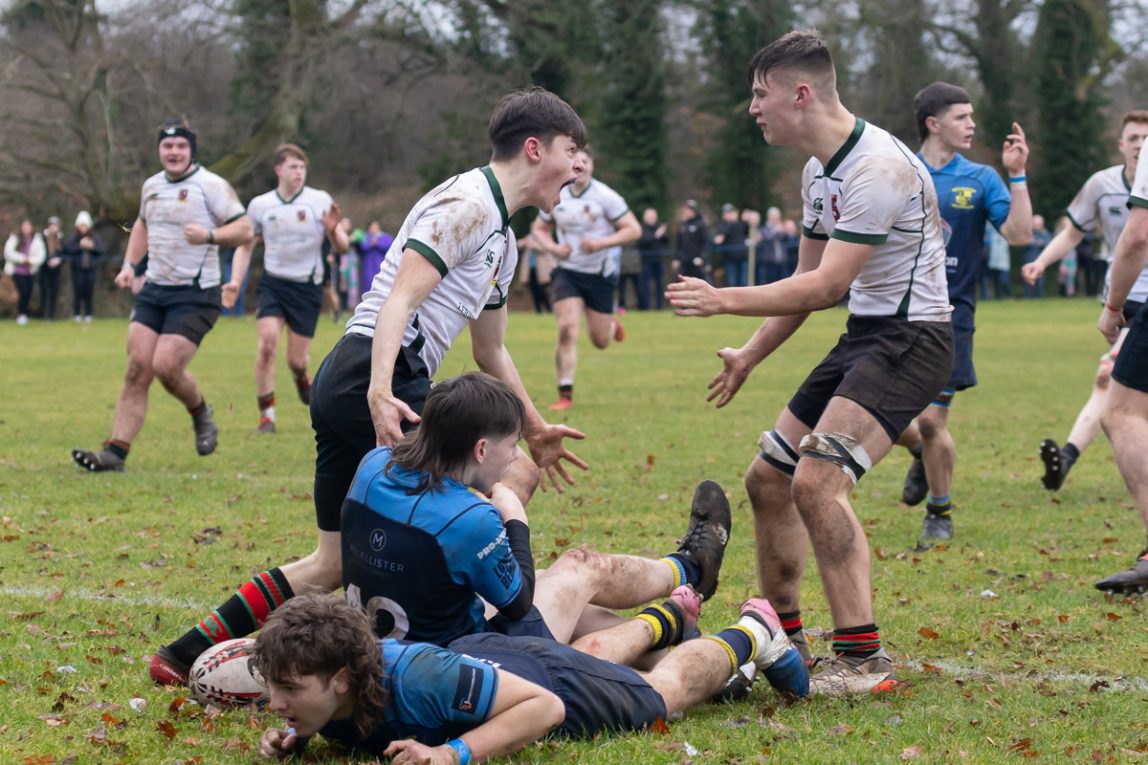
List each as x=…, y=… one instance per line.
x=223, y=675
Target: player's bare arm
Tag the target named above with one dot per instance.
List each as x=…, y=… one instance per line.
x=627, y=230
x=813, y=290
x=1063, y=243
x=1127, y=262
x=1017, y=228
x=240, y=261
x=414, y=281
x=133, y=254
x=544, y=238
x=523, y=713
x=233, y=234
x=544, y=440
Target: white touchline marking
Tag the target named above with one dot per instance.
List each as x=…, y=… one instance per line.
x=1117, y=683
x=82, y=593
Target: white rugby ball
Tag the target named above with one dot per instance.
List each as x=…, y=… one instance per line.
x=223, y=675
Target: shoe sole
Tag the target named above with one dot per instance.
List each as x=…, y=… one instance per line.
x=1053, y=477
x=710, y=500
x=853, y=685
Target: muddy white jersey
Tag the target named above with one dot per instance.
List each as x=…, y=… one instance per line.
x=876, y=191
x=292, y=232
x=461, y=228
x=589, y=215
x=167, y=206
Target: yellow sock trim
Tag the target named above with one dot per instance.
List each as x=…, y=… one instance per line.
x=728, y=649
x=655, y=625
x=675, y=571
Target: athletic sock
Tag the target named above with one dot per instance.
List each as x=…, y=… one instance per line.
x=118, y=447
x=940, y=506
x=861, y=642
x=664, y=621
x=243, y=613
x=791, y=622
x=197, y=410
x=267, y=405
x=566, y=391
x=917, y=451
x=738, y=642
x=1069, y=454
x=685, y=570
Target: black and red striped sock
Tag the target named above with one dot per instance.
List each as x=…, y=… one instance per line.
x=862, y=641
x=118, y=447
x=197, y=410
x=243, y=613
x=791, y=622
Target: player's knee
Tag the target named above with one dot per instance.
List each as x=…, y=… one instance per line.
x=838, y=449
x=266, y=352
x=168, y=371
x=138, y=372
x=523, y=479
x=567, y=333
x=589, y=564
x=297, y=365
x=600, y=339
x=1103, y=376
x=931, y=422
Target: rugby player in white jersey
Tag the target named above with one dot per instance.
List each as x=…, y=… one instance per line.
x=451, y=267
x=594, y=223
x=186, y=214
x=292, y=221
x=870, y=226
x=1100, y=205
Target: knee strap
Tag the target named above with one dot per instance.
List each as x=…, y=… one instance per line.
x=777, y=452
x=842, y=450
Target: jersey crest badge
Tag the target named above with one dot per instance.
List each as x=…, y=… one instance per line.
x=833, y=207
x=302, y=216
x=963, y=198
x=818, y=205
x=183, y=195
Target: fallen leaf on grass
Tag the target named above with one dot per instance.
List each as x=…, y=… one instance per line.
x=911, y=752
x=1113, y=617
x=39, y=759
x=840, y=730
x=166, y=728
x=927, y=633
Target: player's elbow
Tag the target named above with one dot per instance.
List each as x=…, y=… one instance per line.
x=1020, y=238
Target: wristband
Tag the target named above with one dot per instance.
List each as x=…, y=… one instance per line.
x=1109, y=307
x=211, y=236
x=461, y=749
x=1017, y=179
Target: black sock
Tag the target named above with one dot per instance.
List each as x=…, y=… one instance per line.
x=566, y=391
x=939, y=508
x=243, y=613
x=917, y=451
x=862, y=641
x=118, y=448
x=197, y=410
x=1068, y=455
x=791, y=622
x=665, y=622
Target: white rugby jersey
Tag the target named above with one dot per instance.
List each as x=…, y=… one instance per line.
x=1138, y=196
x=876, y=191
x=461, y=228
x=166, y=206
x=292, y=232
x=589, y=215
x=1102, y=203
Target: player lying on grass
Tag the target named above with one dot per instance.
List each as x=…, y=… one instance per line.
x=424, y=546
x=485, y=695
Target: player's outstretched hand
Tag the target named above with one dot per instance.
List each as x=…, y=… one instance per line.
x=277, y=744
x=410, y=752
x=1014, y=155
x=387, y=415
x=332, y=217
x=1110, y=323
x=548, y=453
x=693, y=297
x=1032, y=272
x=727, y=382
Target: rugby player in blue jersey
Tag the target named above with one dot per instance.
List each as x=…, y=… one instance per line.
x=969, y=195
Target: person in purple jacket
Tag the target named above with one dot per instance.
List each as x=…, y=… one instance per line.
x=373, y=250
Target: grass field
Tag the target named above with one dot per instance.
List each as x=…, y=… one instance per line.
x=1006, y=650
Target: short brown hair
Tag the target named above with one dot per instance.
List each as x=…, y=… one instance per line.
x=804, y=50
x=319, y=634
x=933, y=100
x=1136, y=115
x=532, y=112
x=285, y=151
x=458, y=412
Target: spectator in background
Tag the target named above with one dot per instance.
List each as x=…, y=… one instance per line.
x=24, y=253
x=997, y=262
x=752, y=220
x=535, y=268
x=1040, y=239
x=731, y=241
x=791, y=235
x=50, y=271
x=372, y=251
x=348, y=283
x=652, y=246
x=771, y=255
x=1066, y=274
x=691, y=258
x=84, y=249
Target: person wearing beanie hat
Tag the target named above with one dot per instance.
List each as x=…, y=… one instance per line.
x=83, y=249
x=186, y=214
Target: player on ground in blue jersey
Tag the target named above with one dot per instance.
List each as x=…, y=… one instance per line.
x=970, y=195
x=425, y=550
x=488, y=695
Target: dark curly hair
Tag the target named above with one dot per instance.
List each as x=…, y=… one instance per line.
x=319, y=635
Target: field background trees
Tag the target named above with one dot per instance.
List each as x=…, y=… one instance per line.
x=388, y=96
